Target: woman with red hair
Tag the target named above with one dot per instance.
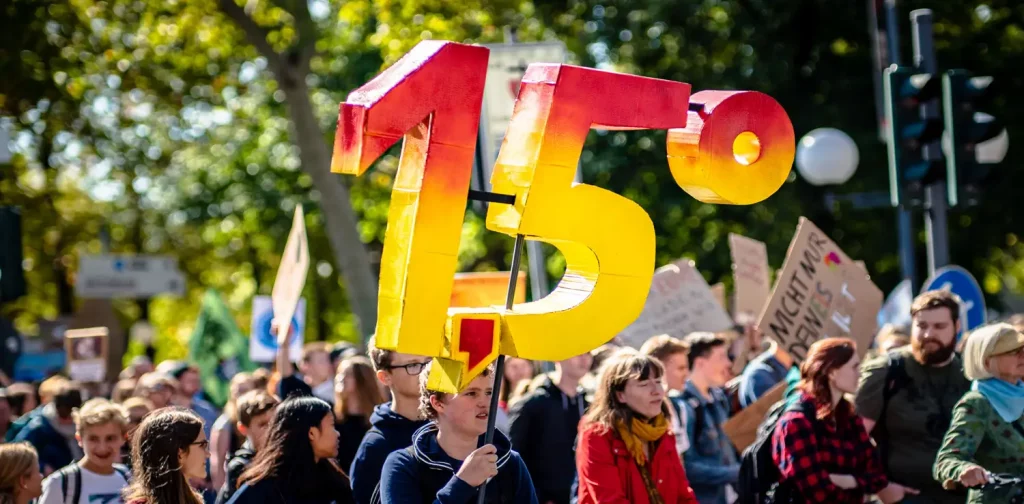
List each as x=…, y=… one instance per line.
x=820, y=445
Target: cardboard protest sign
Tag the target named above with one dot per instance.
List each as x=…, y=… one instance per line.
x=86, y=353
x=820, y=292
x=718, y=290
x=486, y=289
x=742, y=427
x=752, y=276
x=680, y=302
x=291, y=274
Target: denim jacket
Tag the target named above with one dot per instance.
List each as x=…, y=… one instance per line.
x=711, y=462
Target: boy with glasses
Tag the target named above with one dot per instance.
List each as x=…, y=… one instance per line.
x=393, y=423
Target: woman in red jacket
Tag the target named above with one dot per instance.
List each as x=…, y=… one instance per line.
x=626, y=453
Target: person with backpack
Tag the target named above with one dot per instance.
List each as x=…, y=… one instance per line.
x=296, y=464
x=626, y=453
x=96, y=479
x=820, y=446
x=52, y=430
x=446, y=464
x=907, y=396
x=673, y=354
x=254, y=410
x=543, y=427
x=711, y=461
x=986, y=436
x=392, y=423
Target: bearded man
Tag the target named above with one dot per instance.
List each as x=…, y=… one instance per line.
x=906, y=397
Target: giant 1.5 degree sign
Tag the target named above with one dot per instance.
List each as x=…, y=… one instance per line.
x=731, y=147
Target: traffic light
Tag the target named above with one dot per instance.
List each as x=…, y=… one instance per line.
x=907, y=90
x=962, y=96
x=12, y=277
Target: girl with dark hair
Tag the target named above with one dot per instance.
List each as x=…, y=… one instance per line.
x=169, y=448
x=626, y=453
x=355, y=395
x=820, y=445
x=296, y=465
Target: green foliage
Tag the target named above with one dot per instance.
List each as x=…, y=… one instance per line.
x=161, y=122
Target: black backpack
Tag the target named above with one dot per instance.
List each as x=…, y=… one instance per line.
x=759, y=476
x=895, y=379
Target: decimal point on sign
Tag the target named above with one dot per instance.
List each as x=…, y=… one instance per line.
x=738, y=149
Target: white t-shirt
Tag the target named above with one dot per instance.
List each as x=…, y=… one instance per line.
x=95, y=488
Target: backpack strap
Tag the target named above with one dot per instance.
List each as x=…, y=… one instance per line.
x=895, y=379
x=698, y=415
x=71, y=478
x=124, y=472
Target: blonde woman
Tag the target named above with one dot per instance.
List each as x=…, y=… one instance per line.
x=986, y=435
x=20, y=479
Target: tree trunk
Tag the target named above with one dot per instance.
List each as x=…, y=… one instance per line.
x=339, y=218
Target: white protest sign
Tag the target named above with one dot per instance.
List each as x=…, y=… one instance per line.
x=86, y=353
x=291, y=274
x=751, y=274
x=679, y=302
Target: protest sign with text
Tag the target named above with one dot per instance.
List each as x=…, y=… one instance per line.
x=820, y=292
x=679, y=302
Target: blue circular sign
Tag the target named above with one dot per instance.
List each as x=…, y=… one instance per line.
x=263, y=334
x=960, y=282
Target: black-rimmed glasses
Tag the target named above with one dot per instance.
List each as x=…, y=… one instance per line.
x=413, y=368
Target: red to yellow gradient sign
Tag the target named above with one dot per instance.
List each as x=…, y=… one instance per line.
x=731, y=147
x=474, y=290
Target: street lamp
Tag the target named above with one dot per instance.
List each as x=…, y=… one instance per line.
x=827, y=156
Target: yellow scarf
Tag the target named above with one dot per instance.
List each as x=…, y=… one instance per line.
x=642, y=432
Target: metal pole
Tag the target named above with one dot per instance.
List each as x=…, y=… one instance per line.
x=904, y=216
x=499, y=364
x=935, y=196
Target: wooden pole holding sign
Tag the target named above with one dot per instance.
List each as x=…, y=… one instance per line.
x=291, y=276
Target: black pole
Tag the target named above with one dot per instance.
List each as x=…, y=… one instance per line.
x=499, y=365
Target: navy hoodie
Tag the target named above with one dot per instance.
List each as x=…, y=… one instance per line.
x=389, y=432
x=424, y=473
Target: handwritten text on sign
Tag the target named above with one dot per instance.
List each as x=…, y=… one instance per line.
x=820, y=293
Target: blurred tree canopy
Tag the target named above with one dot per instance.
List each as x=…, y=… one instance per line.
x=193, y=128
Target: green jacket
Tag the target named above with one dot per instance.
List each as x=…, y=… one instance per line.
x=978, y=436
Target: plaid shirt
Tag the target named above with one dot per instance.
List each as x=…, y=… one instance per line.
x=807, y=452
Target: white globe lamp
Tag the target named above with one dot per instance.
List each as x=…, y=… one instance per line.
x=827, y=156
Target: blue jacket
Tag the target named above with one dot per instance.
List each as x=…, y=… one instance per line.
x=711, y=462
x=54, y=451
x=760, y=375
x=424, y=473
x=389, y=432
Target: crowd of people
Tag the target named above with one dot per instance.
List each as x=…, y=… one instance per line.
x=926, y=417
